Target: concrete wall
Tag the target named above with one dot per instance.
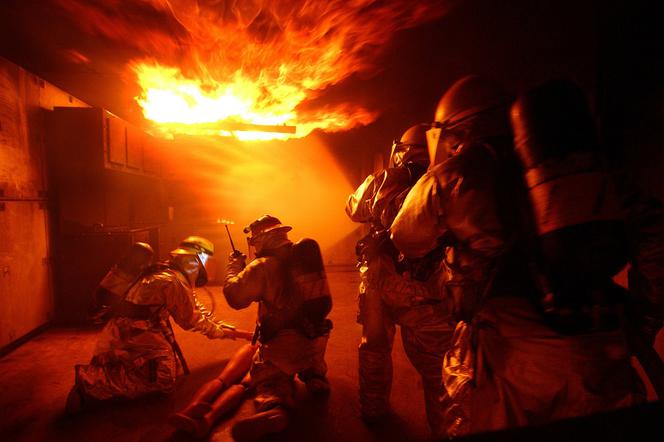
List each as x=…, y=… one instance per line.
x=26, y=293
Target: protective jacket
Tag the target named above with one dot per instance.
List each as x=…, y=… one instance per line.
x=134, y=354
x=455, y=205
x=378, y=199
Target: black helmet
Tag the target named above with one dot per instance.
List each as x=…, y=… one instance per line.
x=138, y=257
x=265, y=224
x=458, y=111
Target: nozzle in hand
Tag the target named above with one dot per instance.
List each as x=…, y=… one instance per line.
x=239, y=334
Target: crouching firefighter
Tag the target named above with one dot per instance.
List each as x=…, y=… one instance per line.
x=136, y=352
x=289, y=283
x=394, y=291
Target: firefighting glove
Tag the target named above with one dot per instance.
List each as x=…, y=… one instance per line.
x=227, y=331
x=236, y=262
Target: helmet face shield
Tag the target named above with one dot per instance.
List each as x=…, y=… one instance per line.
x=203, y=258
x=397, y=153
x=257, y=242
x=404, y=153
x=433, y=140
x=443, y=140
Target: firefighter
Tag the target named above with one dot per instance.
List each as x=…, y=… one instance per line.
x=136, y=352
x=288, y=282
x=507, y=366
x=394, y=292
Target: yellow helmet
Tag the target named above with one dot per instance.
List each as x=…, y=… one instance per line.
x=198, y=243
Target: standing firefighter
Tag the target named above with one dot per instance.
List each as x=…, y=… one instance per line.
x=398, y=292
x=136, y=352
x=289, y=283
x=508, y=365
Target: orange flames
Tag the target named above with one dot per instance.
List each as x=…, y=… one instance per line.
x=254, y=62
x=196, y=107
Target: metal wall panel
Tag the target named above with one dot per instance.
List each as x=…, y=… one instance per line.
x=25, y=289
x=26, y=294
x=21, y=162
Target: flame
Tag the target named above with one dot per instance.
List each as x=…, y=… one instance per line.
x=262, y=62
x=204, y=65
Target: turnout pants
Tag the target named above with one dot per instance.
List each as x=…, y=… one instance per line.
x=426, y=332
x=277, y=362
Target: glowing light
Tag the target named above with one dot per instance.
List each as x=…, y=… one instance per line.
x=192, y=106
x=264, y=63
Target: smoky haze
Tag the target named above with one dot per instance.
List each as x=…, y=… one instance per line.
x=298, y=181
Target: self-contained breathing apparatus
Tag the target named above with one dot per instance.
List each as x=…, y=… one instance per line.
x=580, y=233
x=306, y=300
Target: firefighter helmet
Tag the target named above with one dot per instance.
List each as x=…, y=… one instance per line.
x=411, y=147
x=456, y=113
x=198, y=243
x=265, y=224
x=138, y=257
x=191, y=255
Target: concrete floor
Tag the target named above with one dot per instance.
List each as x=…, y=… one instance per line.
x=35, y=379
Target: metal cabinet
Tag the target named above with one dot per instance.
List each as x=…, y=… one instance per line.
x=106, y=192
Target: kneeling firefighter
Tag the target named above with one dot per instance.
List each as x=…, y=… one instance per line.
x=136, y=352
x=289, y=283
x=398, y=292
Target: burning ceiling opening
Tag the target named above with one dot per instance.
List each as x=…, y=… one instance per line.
x=215, y=67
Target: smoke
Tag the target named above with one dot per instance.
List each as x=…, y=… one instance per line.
x=298, y=181
x=146, y=26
